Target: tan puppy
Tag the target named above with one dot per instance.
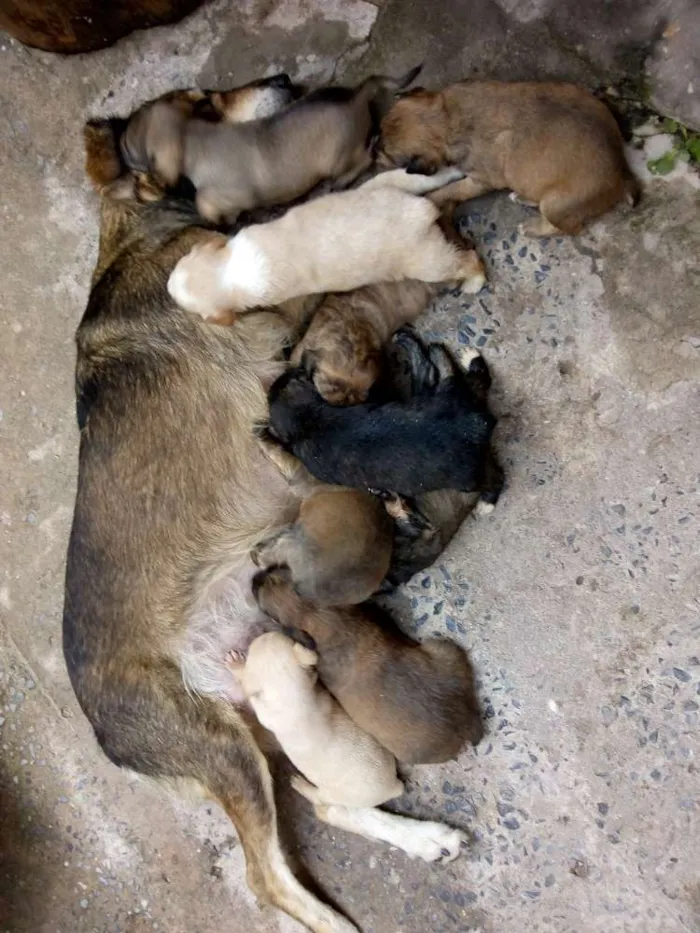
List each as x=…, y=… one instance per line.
x=338, y=550
x=342, y=348
x=417, y=700
x=252, y=164
x=554, y=145
x=347, y=766
x=377, y=233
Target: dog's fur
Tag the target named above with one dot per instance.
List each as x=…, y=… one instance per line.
x=173, y=492
x=339, y=549
x=346, y=765
x=342, y=348
x=438, y=439
x=416, y=700
x=553, y=144
x=379, y=232
x=240, y=166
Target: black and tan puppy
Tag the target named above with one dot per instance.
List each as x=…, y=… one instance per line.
x=438, y=439
x=417, y=700
x=553, y=144
x=234, y=167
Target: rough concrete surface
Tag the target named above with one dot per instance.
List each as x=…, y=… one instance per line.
x=578, y=598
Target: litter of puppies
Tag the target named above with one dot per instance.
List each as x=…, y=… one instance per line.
x=245, y=491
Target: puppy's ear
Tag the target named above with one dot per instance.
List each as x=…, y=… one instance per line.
x=306, y=658
x=166, y=141
x=419, y=165
x=103, y=164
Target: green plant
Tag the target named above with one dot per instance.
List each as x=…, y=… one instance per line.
x=686, y=148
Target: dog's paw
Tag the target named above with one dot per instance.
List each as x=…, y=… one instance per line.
x=436, y=842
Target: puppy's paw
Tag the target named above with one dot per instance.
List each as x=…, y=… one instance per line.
x=474, y=284
x=436, y=842
x=467, y=356
x=483, y=508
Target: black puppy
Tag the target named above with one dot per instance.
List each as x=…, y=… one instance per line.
x=438, y=438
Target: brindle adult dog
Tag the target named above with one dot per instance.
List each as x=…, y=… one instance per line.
x=173, y=492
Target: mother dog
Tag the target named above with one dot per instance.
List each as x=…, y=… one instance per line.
x=173, y=492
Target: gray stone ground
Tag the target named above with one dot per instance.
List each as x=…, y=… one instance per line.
x=578, y=598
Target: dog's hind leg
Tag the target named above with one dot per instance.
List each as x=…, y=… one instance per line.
x=149, y=723
x=438, y=260
x=424, y=839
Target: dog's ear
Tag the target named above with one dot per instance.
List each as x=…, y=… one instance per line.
x=306, y=658
x=419, y=165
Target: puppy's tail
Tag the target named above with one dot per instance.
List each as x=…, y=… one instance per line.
x=378, y=92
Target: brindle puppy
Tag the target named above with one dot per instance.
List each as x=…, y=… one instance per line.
x=173, y=492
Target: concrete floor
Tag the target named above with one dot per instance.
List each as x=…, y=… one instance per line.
x=578, y=598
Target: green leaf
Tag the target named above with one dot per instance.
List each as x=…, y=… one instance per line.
x=664, y=164
x=683, y=155
x=669, y=126
x=693, y=147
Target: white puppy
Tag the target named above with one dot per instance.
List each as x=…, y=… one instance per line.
x=348, y=766
x=380, y=232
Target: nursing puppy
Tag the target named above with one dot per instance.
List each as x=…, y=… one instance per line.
x=152, y=138
x=347, y=767
x=338, y=550
x=554, y=145
x=435, y=440
x=379, y=232
x=418, y=701
x=342, y=349
x=245, y=165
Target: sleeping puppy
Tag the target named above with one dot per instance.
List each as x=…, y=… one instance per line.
x=151, y=139
x=338, y=550
x=342, y=349
x=436, y=440
x=418, y=701
x=334, y=243
x=554, y=145
x=245, y=165
x=347, y=766
x=425, y=526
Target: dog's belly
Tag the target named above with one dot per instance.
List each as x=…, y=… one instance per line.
x=227, y=619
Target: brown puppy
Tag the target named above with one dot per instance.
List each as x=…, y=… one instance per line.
x=342, y=348
x=554, y=145
x=172, y=494
x=339, y=549
x=416, y=700
x=245, y=165
x=152, y=138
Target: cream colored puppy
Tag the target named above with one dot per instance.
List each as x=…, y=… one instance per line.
x=380, y=232
x=347, y=766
